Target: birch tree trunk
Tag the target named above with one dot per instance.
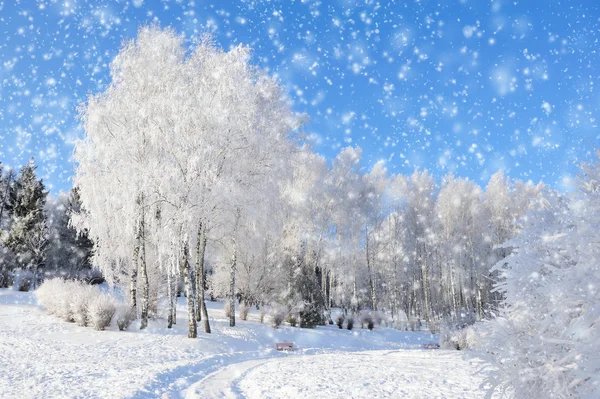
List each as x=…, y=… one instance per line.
x=134, y=270
x=201, y=311
x=144, y=270
x=170, y=296
x=199, y=273
x=232, y=286
x=453, y=292
x=187, y=280
x=174, y=289
x=370, y=271
x=354, y=287
x=426, y=288
x=395, y=303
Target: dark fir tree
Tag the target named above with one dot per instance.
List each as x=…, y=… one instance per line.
x=28, y=235
x=77, y=246
x=303, y=297
x=6, y=193
x=69, y=252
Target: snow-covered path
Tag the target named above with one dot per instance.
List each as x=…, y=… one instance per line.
x=372, y=374
x=44, y=357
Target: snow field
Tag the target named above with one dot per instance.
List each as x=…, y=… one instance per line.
x=370, y=374
x=42, y=356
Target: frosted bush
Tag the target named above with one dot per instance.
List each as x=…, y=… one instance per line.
x=81, y=295
x=54, y=296
x=277, y=317
x=366, y=319
x=125, y=315
x=263, y=312
x=101, y=311
x=378, y=318
x=84, y=304
x=244, y=310
x=48, y=294
x=350, y=322
x=339, y=320
x=23, y=281
x=462, y=338
x=292, y=318
x=227, y=308
x=458, y=332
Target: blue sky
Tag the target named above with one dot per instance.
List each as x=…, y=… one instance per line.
x=463, y=86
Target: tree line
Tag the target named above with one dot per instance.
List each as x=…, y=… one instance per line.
x=193, y=167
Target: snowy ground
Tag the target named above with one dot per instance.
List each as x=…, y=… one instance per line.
x=370, y=374
x=41, y=356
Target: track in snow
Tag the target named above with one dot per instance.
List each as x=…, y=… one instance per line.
x=373, y=374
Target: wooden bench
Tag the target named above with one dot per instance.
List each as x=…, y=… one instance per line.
x=285, y=346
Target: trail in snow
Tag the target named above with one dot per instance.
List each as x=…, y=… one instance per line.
x=373, y=374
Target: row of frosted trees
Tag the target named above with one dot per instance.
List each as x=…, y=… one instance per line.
x=194, y=158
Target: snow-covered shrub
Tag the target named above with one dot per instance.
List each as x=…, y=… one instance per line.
x=462, y=338
x=378, y=318
x=244, y=310
x=101, y=311
x=49, y=294
x=545, y=340
x=339, y=320
x=125, y=315
x=23, y=280
x=457, y=332
x=366, y=319
x=277, y=317
x=434, y=326
x=263, y=312
x=292, y=318
x=350, y=322
x=227, y=308
x=55, y=296
x=81, y=295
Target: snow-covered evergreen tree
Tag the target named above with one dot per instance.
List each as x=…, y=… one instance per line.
x=6, y=196
x=69, y=252
x=545, y=339
x=28, y=236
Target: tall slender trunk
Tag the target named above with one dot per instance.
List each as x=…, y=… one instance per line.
x=370, y=271
x=170, y=296
x=187, y=280
x=143, y=269
x=134, y=270
x=479, y=303
x=232, y=285
x=395, y=303
x=354, y=287
x=453, y=292
x=198, y=282
x=201, y=311
x=174, y=290
x=426, y=289
x=325, y=286
x=330, y=283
